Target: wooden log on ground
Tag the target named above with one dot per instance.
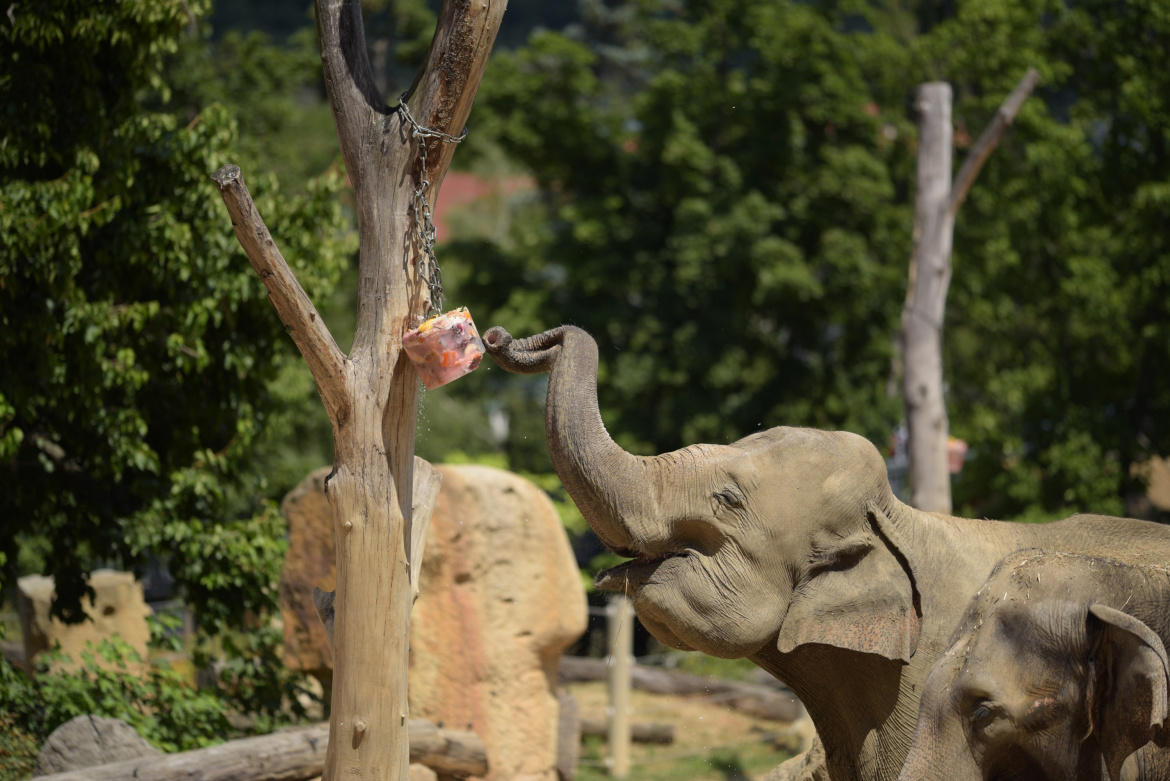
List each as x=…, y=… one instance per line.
x=448, y=751
x=294, y=754
x=762, y=702
x=640, y=731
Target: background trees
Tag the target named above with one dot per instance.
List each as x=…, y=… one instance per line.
x=137, y=347
x=732, y=222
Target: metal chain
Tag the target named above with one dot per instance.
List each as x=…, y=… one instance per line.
x=425, y=227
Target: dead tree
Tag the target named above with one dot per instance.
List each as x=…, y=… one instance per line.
x=371, y=395
x=930, y=277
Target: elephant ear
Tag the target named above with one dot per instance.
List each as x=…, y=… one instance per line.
x=860, y=594
x=1133, y=673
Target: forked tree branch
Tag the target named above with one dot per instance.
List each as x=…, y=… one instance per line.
x=296, y=311
x=349, y=82
x=989, y=139
x=442, y=94
x=381, y=157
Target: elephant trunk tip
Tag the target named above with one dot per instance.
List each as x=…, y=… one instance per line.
x=533, y=355
x=497, y=339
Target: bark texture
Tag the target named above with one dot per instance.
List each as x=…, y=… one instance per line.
x=371, y=395
x=936, y=204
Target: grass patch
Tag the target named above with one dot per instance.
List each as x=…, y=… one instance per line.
x=712, y=742
x=666, y=763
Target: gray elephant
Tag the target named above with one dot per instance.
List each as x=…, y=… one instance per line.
x=1058, y=670
x=788, y=548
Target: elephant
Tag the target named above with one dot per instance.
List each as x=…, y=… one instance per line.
x=788, y=548
x=1057, y=670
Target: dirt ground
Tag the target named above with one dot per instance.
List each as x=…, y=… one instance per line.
x=712, y=742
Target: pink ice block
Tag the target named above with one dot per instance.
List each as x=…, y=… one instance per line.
x=444, y=348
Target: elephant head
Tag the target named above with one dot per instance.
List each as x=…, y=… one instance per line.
x=784, y=537
x=1042, y=681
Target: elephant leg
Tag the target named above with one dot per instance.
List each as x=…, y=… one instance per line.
x=809, y=766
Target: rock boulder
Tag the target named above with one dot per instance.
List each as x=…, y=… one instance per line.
x=310, y=561
x=118, y=608
x=88, y=741
x=501, y=599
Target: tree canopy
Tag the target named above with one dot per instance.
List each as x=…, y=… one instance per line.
x=138, y=344
x=724, y=202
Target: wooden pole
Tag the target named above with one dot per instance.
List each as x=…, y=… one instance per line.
x=371, y=394
x=936, y=205
x=621, y=642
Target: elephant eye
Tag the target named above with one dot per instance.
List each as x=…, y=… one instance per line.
x=730, y=497
x=981, y=716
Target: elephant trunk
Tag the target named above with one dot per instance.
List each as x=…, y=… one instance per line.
x=617, y=492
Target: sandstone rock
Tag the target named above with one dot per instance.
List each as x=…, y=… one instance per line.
x=501, y=599
x=88, y=741
x=310, y=562
x=422, y=773
x=118, y=608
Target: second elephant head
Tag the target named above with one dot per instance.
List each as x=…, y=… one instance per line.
x=1052, y=674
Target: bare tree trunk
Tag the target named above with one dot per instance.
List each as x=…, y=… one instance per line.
x=926, y=412
x=930, y=278
x=371, y=395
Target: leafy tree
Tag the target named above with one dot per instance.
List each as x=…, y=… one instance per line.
x=1061, y=325
x=736, y=231
x=139, y=346
x=728, y=235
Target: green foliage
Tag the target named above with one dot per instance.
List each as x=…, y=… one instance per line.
x=251, y=676
x=18, y=750
x=727, y=235
x=163, y=707
x=272, y=91
x=140, y=343
x=714, y=667
x=748, y=756
x=1058, y=317
x=731, y=214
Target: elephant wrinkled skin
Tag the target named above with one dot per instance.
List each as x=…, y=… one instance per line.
x=788, y=547
x=1057, y=670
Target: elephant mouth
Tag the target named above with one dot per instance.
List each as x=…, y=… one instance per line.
x=637, y=570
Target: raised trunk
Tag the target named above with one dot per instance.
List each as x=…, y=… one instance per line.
x=618, y=493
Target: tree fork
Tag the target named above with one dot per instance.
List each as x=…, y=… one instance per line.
x=936, y=204
x=371, y=395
